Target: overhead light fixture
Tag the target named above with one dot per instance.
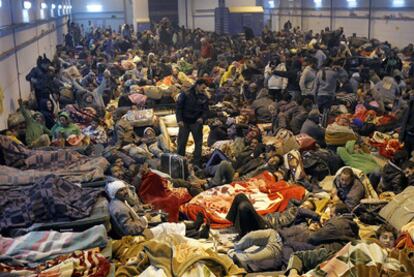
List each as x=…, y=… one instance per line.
x=59, y=7
x=43, y=5
x=398, y=3
x=352, y=3
x=53, y=6
x=27, y=5
x=318, y=3
x=94, y=8
x=1, y=4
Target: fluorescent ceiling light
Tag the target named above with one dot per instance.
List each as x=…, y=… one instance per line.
x=43, y=5
x=27, y=5
x=398, y=3
x=94, y=8
x=318, y=3
x=352, y=3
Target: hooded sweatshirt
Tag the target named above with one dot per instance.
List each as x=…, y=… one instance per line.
x=326, y=81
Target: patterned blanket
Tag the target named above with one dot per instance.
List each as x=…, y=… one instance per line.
x=37, y=247
x=364, y=259
x=264, y=192
x=51, y=199
x=25, y=166
x=79, y=263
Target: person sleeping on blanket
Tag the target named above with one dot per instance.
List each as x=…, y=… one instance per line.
x=129, y=217
x=274, y=247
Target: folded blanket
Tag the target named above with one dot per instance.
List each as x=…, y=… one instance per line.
x=38, y=247
x=51, y=199
x=266, y=194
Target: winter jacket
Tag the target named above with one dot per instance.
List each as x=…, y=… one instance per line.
x=351, y=195
x=337, y=229
x=326, y=81
x=261, y=106
x=393, y=179
x=274, y=81
x=307, y=81
x=125, y=220
x=192, y=106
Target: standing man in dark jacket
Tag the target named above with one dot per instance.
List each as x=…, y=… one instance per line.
x=192, y=111
x=407, y=127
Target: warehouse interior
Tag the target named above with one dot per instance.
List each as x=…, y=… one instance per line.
x=207, y=138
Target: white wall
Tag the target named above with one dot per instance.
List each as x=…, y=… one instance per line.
x=114, y=12
x=200, y=13
x=20, y=45
x=387, y=21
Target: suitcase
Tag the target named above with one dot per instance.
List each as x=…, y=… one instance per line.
x=174, y=165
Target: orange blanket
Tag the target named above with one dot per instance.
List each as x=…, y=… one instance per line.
x=264, y=192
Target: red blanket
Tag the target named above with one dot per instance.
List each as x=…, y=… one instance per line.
x=265, y=193
x=156, y=191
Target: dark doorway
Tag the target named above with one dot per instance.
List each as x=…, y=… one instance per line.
x=161, y=8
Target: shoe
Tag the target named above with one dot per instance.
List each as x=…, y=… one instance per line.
x=199, y=220
x=204, y=231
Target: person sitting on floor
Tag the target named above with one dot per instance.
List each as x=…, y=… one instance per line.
x=125, y=213
x=64, y=127
x=37, y=134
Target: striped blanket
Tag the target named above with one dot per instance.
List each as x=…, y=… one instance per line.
x=25, y=166
x=51, y=199
x=37, y=247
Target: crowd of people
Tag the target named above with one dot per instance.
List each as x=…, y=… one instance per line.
x=300, y=158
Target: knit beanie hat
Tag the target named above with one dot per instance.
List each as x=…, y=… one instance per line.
x=113, y=187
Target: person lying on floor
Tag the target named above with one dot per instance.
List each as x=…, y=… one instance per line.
x=127, y=221
x=348, y=188
x=245, y=218
x=277, y=246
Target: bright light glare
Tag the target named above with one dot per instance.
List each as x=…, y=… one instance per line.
x=60, y=7
x=318, y=3
x=1, y=4
x=43, y=5
x=27, y=5
x=398, y=3
x=271, y=4
x=53, y=6
x=352, y=3
x=94, y=8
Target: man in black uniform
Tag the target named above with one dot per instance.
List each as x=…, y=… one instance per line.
x=192, y=111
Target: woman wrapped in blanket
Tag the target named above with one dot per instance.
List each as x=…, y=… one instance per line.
x=130, y=217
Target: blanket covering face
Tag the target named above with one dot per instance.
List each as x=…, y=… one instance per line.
x=25, y=166
x=51, y=199
x=35, y=248
x=266, y=194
